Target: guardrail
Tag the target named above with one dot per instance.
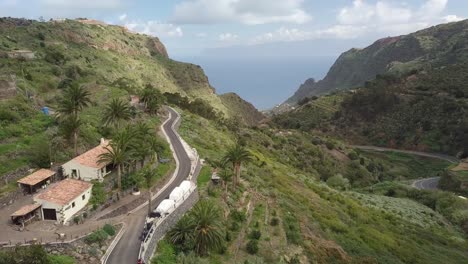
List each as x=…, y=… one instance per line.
x=161, y=226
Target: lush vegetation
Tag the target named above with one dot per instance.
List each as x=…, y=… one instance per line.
x=283, y=211
x=35, y=254
x=101, y=235
x=108, y=63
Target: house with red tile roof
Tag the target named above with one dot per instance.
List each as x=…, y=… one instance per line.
x=63, y=199
x=87, y=166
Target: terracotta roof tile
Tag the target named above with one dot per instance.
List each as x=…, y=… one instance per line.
x=91, y=157
x=64, y=192
x=26, y=209
x=37, y=177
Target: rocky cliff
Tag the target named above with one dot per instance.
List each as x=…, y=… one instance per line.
x=440, y=45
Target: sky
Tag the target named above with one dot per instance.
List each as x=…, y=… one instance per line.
x=235, y=39
x=190, y=27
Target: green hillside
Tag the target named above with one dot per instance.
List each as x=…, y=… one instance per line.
x=283, y=212
x=429, y=48
x=38, y=60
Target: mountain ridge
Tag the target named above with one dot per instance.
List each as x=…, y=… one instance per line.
x=437, y=45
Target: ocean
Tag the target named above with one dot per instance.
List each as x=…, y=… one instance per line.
x=263, y=81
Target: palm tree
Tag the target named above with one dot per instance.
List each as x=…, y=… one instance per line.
x=156, y=146
x=75, y=98
x=116, y=112
x=223, y=172
x=182, y=234
x=226, y=176
x=237, y=155
x=71, y=126
x=78, y=97
x=152, y=98
x=146, y=175
x=208, y=233
x=118, y=152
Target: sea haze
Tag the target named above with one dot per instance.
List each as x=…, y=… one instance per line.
x=263, y=81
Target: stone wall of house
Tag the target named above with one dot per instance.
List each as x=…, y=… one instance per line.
x=168, y=223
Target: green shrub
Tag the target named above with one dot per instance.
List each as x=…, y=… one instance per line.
x=255, y=234
x=274, y=221
x=98, y=236
x=109, y=229
x=330, y=145
x=353, y=155
x=238, y=216
x=77, y=219
x=252, y=247
x=7, y=115
x=60, y=259
x=166, y=254
x=338, y=182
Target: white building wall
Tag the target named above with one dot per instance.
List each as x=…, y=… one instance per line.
x=66, y=212
x=80, y=203
x=83, y=172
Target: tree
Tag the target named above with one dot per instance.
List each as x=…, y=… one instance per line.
x=71, y=128
x=146, y=175
x=77, y=97
x=208, y=227
x=223, y=173
x=118, y=152
x=152, y=98
x=338, y=182
x=34, y=254
x=74, y=99
x=116, y=112
x=182, y=235
x=237, y=155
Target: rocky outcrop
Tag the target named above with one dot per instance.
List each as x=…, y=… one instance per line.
x=155, y=46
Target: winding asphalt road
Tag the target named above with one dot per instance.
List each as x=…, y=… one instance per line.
x=127, y=249
x=427, y=184
x=417, y=153
x=422, y=184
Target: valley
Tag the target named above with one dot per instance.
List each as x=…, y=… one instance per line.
x=365, y=166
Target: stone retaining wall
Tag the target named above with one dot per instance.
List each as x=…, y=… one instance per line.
x=167, y=223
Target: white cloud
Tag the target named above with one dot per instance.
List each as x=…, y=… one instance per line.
x=228, y=37
x=283, y=34
x=155, y=28
x=432, y=8
x=361, y=17
x=342, y=32
x=123, y=17
x=359, y=12
x=82, y=4
x=293, y=34
x=243, y=11
x=392, y=17
x=453, y=18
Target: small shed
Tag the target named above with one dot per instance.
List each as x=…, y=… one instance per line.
x=215, y=178
x=36, y=180
x=165, y=208
x=177, y=195
x=26, y=214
